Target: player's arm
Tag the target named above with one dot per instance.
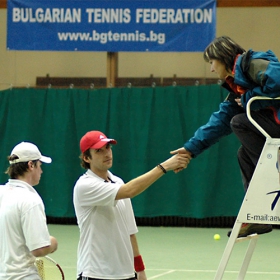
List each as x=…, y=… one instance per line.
x=40, y=252
x=141, y=183
x=36, y=233
x=138, y=261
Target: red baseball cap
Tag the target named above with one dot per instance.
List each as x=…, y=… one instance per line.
x=95, y=140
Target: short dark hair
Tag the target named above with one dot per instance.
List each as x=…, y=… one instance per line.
x=83, y=163
x=18, y=169
x=223, y=49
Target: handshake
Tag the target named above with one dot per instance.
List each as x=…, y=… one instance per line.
x=179, y=161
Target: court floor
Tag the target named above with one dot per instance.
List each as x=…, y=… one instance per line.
x=182, y=253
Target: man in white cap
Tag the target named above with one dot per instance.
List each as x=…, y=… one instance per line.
x=24, y=233
x=108, y=247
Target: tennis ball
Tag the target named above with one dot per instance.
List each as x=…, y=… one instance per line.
x=217, y=236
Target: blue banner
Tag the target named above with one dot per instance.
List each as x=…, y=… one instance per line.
x=110, y=25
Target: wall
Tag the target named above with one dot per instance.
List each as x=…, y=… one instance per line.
x=137, y=119
x=252, y=27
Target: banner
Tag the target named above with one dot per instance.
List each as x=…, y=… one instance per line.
x=109, y=25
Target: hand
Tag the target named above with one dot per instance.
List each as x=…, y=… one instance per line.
x=141, y=275
x=181, y=151
x=177, y=162
x=238, y=101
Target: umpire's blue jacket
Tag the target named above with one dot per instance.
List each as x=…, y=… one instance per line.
x=258, y=73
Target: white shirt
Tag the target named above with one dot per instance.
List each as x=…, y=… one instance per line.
x=105, y=224
x=23, y=229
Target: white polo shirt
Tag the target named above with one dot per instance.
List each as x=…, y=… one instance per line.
x=22, y=229
x=104, y=250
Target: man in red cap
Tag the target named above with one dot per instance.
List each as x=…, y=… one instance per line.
x=108, y=247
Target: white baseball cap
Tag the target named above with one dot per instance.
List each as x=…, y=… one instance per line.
x=27, y=151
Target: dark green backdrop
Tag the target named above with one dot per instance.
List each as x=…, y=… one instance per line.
x=147, y=123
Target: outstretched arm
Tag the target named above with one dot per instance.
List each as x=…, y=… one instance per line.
x=141, y=183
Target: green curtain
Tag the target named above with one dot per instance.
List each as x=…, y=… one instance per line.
x=147, y=123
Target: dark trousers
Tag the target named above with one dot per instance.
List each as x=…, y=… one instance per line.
x=252, y=140
x=88, y=278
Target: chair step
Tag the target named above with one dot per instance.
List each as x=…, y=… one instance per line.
x=251, y=236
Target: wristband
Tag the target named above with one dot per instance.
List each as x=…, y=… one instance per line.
x=162, y=168
x=139, y=264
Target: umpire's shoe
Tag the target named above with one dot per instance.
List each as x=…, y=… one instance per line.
x=248, y=229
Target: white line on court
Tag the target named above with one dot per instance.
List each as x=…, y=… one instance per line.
x=159, y=275
x=257, y=272
x=199, y=271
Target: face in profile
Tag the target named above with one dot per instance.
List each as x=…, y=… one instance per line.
x=36, y=172
x=216, y=66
